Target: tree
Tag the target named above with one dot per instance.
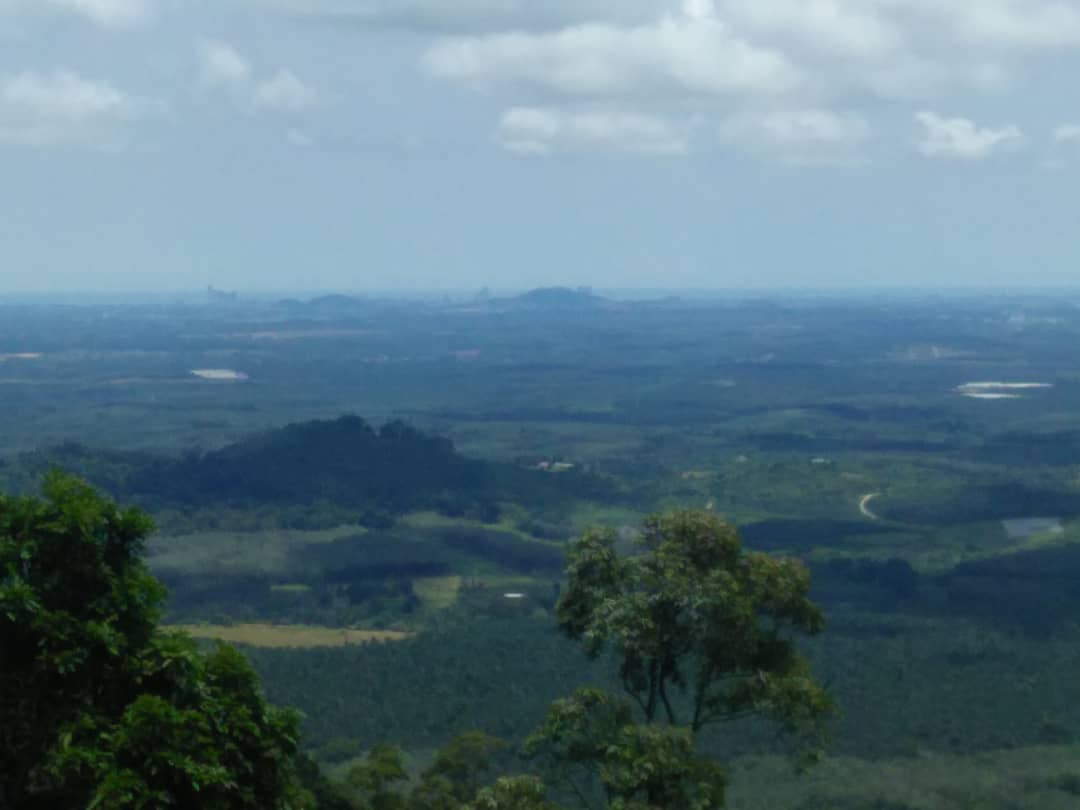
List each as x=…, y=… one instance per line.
x=513, y=793
x=98, y=707
x=593, y=734
x=376, y=778
x=452, y=779
x=457, y=770
x=702, y=628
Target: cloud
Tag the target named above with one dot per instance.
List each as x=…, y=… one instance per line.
x=1067, y=133
x=1012, y=24
x=542, y=131
x=840, y=28
x=299, y=139
x=39, y=109
x=285, y=92
x=222, y=64
x=466, y=16
x=693, y=53
x=799, y=136
x=961, y=139
x=107, y=13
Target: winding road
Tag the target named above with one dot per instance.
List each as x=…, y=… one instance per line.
x=864, y=505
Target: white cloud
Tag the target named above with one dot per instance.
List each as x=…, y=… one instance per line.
x=693, y=52
x=299, y=139
x=285, y=92
x=62, y=107
x=1067, y=133
x=799, y=136
x=222, y=64
x=467, y=16
x=107, y=13
x=961, y=138
x=1014, y=24
x=840, y=28
x=542, y=131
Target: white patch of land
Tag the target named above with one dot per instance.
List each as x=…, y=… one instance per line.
x=219, y=374
x=20, y=356
x=999, y=390
x=1005, y=385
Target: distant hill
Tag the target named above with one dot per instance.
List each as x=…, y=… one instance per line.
x=557, y=298
x=344, y=462
x=342, y=466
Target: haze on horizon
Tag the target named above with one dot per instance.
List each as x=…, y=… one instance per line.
x=161, y=145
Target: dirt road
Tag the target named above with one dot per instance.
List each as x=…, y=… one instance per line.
x=864, y=505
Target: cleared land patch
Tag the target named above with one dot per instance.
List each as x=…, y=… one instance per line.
x=999, y=390
x=219, y=374
x=438, y=593
x=274, y=636
x=20, y=356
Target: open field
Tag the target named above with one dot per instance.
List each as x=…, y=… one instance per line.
x=438, y=593
x=288, y=636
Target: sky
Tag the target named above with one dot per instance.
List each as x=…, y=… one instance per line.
x=421, y=145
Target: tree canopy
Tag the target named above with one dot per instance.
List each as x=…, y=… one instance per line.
x=691, y=614
x=98, y=707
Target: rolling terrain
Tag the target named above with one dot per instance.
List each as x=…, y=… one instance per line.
x=922, y=454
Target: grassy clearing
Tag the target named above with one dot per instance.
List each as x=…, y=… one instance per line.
x=1037, y=778
x=438, y=593
x=288, y=636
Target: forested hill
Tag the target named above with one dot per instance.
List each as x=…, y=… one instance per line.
x=345, y=463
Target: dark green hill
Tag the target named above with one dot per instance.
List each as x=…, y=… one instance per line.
x=345, y=462
x=344, y=469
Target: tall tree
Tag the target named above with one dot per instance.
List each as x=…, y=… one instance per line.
x=100, y=709
x=702, y=628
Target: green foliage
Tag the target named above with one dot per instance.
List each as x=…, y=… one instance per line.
x=513, y=793
x=375, y=780
x=592, y=744
x=694, y=612
x=99, y=709
x=453, y=778
x=463, y=761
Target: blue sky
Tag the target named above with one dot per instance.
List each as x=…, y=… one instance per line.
x=428, y=144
